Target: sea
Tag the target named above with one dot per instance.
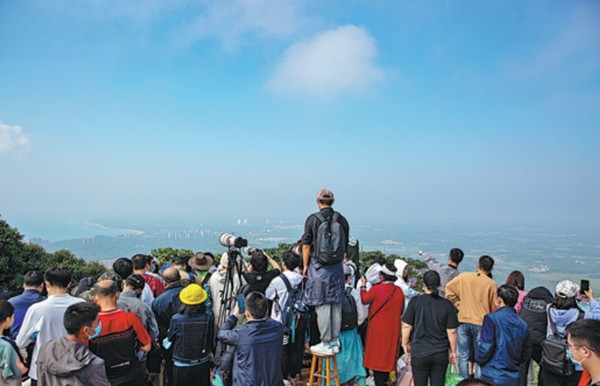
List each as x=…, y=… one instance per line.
x=545, y=255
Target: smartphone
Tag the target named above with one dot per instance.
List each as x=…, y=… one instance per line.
x=585, y=286
x=241, y=302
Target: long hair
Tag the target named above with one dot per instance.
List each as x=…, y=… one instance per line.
x=192, y=311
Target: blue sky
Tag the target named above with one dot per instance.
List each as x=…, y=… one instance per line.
x=408, y=111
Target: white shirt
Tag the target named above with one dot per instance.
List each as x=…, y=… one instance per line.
x=147, y=295
x=45, y=318
x=277, y=288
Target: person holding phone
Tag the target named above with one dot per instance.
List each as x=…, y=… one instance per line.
x=563, y=311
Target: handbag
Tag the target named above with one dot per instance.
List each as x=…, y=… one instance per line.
x=453, y=378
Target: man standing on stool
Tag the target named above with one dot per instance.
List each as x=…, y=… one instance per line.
x=325, y=274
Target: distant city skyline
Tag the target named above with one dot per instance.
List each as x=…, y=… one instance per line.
x=442, y=111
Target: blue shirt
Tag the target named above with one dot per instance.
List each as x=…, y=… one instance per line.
x=22, y=303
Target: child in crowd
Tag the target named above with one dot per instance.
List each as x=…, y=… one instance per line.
x=11, y=365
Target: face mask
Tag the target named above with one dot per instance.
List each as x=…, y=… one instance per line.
x=570, y=356
x=97, y=331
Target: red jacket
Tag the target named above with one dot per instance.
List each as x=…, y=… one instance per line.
x=383, y=340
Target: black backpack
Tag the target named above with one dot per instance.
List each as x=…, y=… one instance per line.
x=349, y=311
x=293, y=308
x=554, y=350
x=331, y=240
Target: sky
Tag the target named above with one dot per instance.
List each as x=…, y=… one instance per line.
x=431, y=111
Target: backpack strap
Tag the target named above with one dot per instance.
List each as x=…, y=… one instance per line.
x=320, y=216
x=383, y=305
x=287, y=283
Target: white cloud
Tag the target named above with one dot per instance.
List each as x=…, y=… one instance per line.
x=332, y=62
x=11, y=137
x=233, y=21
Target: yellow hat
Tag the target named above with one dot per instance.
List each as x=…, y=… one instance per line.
x=192, y=295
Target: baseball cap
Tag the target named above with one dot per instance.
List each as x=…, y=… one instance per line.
x=566, y=289
x=325, y=194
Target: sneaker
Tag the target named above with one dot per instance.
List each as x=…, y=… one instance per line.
x=321, y=349
x=334, y=346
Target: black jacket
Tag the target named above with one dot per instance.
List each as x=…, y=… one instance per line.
x=533, y=312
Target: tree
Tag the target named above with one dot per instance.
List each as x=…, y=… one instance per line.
x=21, y=257
x=166, y=255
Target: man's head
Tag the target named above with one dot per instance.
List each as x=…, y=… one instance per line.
x=33, y=280
x=325, y=198
x=139, y=262
x=486, y=263
x=57, y=278
x=256, y=306
x=81, y=320
x=507, y=295
x=105, y=293
x=123, y=267
x=456, y=256
x=259, y=261
x=583, y=337
x=171, y=277
x=290, y=260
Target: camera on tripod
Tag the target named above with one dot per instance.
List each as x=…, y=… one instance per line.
x=230, y=240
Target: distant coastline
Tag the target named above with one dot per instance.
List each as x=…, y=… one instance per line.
x=545, y=257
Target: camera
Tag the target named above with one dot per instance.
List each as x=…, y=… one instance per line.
x=230, y=240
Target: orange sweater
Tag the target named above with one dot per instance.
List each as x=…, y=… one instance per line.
x=474, y=294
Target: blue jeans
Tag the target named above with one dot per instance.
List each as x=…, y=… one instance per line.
x=468, y=339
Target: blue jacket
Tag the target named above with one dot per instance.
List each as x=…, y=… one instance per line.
x=257, y=356
x=504, y=346
x=164, y=307
x=192, y=338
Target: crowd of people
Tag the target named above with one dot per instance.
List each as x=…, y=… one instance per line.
x=195, y=322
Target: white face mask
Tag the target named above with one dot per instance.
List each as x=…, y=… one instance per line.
x=570, y=356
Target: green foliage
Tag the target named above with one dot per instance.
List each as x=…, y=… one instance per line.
x=166, y=255
x=22, y=257
x=277, y=252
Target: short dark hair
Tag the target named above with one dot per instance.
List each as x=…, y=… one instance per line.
x=257, y=305
x=6, y=310
x=105, y=291
x=326, y=201
x=486, y=263
x=259, y=261
x=456, y=255
x=33, y=278
x=139, y=261
x=516, y=279
x=58, y=277
x=78, y=315
x=183, y=261
x=586, y=332
x=123, y=267
x=508, y=294
x=291, y=260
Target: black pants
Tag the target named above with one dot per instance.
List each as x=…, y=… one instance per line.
x=292, y=353
x=551, y=379
x=430, y=368
x=192, y=376
x=381, y=377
